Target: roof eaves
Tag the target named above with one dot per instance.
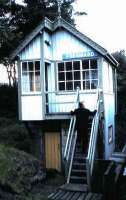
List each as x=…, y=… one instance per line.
x=75, y=32
x=61, y=22
x=112, y=59
x=45, y=23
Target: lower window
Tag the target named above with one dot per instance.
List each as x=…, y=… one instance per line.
x=30, y=78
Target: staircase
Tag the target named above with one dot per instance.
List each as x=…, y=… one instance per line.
x=79, y=166
x=79, y=171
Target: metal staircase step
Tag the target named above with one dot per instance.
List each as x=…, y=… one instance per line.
x=78, y=179
x=79, y=164
x=79, y=171
x=79, y=150
x=80, y=157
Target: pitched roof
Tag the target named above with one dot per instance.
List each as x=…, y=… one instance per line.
x=52, y=26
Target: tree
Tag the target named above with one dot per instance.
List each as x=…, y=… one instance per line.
x=14, y=19
x=121, y=96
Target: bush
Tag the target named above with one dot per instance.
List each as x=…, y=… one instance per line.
x=17, y=169
x=14, y=134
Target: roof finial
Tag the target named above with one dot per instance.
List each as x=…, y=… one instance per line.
x=59, y=7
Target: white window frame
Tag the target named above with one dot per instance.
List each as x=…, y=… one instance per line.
x=34, y=91
x=81, y=80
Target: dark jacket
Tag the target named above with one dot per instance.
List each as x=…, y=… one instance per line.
x=82, y=117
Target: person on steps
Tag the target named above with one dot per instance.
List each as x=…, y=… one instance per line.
x=82, y=119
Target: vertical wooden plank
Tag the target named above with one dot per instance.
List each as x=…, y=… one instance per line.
x=52, y=151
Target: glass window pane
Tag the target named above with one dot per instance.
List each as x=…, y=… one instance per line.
x=24, y=76
x=37, y=65
x=76, y=75
x=77, y=84
x=94, y=74
x=30, y=66
x=94, y=84
x=25, y=87
x=68, y=66
x=76, y=65
x=68, y=76
x=31, y=81
x=61, y=86
x=84, y=85
x=37, y=81
x=69, y=85
x=24, y=66
x=25, y=83
x=60, y=67
x=31, y=76
x=85, y=64
x=37, y=86
x=87, y=85
x=61, y=76
x=85, y=75
x=93, y=64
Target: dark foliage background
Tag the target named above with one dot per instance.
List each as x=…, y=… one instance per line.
x=16, y=21
x=8, y=101
x=121, y=99
x=13, y=133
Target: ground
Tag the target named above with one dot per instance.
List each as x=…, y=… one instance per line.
x=42, y=190
x=39, y=191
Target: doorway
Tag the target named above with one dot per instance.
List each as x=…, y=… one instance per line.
x=52, y=151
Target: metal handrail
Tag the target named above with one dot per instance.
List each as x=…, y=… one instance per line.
x=71, y=142
x=71, y=126
x=72, y=155
x=93, y=139
x=71, y=136
x=67, y=142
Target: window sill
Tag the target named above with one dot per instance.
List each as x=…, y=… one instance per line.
x=31, y=94
x=93, y=91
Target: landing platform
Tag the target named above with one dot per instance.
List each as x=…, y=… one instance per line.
x=70, y=195
x=74, y=192
x=75, y=187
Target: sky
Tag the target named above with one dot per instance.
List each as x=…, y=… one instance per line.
x=105, y=22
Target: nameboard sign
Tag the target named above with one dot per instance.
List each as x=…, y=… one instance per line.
x=86, y=54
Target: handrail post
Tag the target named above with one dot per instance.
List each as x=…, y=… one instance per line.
x=71, y=123
x=93, y=141
x=88, y=174
x=68, y=137
x=72, y=155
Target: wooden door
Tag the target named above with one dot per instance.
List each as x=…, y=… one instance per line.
x=52, y=151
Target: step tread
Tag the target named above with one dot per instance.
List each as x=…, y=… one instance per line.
x=74, y=187
x=77, y=163
x=80, y=157
x=79, y=170
x=78, y=177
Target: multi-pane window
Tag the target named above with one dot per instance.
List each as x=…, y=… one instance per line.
x=79, y=73
x=30, y=78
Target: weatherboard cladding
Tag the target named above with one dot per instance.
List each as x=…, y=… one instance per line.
x=52, y=26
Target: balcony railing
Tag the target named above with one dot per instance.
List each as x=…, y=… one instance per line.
x=59, y=102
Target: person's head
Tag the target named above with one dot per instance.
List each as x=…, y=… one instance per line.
x=81, y=105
